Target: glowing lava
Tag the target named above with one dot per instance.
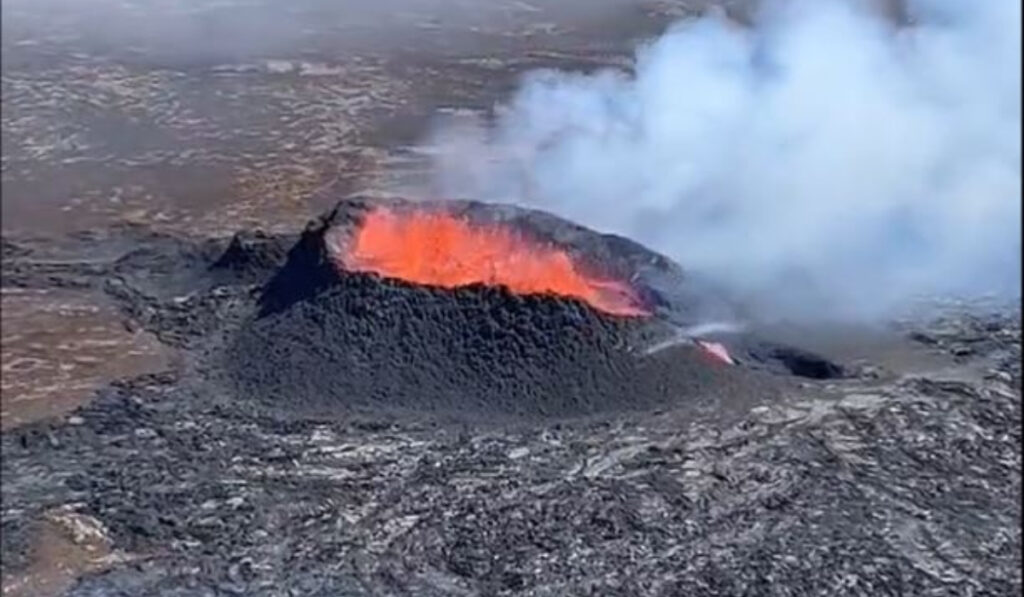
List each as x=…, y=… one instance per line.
x=442, y=250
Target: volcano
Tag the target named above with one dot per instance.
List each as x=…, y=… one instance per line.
x=470, y=309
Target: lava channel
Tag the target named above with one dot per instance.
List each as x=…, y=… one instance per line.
x=439, y=249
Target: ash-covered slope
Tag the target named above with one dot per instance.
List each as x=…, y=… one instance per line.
x=368, y=342
x=327, y=341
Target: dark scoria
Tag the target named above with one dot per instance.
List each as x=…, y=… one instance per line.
x=374, y=343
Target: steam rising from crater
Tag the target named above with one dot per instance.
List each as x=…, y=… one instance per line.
x=825, y=160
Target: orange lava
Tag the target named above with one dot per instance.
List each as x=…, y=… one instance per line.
x=442, y=250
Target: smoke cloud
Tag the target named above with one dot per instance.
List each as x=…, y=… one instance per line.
x=825, y=160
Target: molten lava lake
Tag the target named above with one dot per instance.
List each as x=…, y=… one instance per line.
x=440, y=249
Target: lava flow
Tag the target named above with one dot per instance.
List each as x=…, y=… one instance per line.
x=442, y=250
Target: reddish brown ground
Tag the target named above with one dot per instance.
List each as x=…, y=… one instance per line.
x=58, y=346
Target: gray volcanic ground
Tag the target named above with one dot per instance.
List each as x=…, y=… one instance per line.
x=677, y=477
x=197, y=401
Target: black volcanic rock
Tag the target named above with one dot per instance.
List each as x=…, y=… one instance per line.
x=251, y=254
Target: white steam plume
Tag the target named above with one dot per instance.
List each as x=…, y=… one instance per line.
x=825, y=160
